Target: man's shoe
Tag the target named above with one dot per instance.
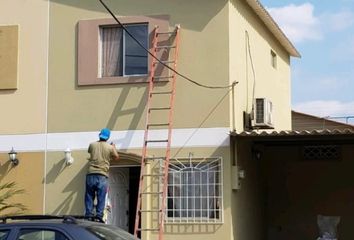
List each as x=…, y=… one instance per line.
x=99, y=219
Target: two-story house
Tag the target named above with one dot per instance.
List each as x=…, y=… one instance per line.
x=68, y=69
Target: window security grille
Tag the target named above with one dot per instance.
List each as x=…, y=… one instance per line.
x=321, y=152
x=195, y=191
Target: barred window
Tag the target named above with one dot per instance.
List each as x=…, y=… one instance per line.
x=195, y=191
x=321, y=152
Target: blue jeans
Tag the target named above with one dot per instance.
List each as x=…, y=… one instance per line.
x=96, y=186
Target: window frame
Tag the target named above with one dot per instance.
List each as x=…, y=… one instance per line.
x=193, y=219
x=88, y=49
x=124, y=41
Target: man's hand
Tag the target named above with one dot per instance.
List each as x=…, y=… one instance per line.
x=115, y=153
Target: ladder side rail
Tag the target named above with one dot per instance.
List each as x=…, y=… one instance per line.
x=144, y=151
x=168, y=150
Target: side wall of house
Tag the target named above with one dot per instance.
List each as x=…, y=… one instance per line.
x=247, y=201
x=23, y=107
x=251, y=44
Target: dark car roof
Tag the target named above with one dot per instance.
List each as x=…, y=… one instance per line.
x=78, y=227
x=40, y=219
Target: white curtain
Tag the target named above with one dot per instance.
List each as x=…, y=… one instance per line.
x=112, y=41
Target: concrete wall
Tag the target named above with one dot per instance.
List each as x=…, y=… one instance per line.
x=65, y=193
x=248, y=213
x=268, y=82
x=24, y=110
x=28, y=175
x=204, y=30
x=71, y=108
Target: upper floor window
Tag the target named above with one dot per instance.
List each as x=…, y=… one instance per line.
x=120, y=53
x=109, y=55
x=273, y=59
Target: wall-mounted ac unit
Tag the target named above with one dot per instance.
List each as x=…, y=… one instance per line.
x=262, y=116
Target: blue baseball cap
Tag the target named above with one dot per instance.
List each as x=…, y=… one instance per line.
x=105, y=133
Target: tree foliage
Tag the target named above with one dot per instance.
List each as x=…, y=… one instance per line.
x=7, y=192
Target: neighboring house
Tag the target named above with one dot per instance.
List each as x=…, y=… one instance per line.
x=295, y=176
x=58, y=91
x=302, y=121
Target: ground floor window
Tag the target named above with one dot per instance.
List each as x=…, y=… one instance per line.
x=195, y=190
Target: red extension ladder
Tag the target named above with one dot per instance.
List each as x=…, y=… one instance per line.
x=167, y=54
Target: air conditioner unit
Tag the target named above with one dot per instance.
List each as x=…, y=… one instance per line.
x=262, y=116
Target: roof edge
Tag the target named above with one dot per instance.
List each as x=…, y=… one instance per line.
x=324, y=118
x=326, y=132
x=273, y=27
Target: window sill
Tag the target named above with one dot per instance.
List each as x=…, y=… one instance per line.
x=120, y=80
x=182, y=221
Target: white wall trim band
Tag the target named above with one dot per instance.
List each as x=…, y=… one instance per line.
x=130, y=139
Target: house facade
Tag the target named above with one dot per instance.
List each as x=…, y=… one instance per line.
x=60, y=89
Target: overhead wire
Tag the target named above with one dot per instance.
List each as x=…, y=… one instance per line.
x=161, y=62
x=202, y=122
x=248, y=46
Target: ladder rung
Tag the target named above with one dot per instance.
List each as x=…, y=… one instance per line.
x=160, y=108
x=173, y=32
x=148, y=229
x=161, y=92
x=154, y=158
x=154, y=175
x=164, y=62
x=163, y=77
x=167, y=46
x=158, y=124
x=159, y=210
x=146, y=193
x=156, y=141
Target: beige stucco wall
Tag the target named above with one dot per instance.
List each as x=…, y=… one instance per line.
x=72, y=108
x=24, y=109
x=65, y=186
x=247, y=208
x=270, y=83
x=28, y=175
x=203, y=57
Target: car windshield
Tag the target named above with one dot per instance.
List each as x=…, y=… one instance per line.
x=107, y=232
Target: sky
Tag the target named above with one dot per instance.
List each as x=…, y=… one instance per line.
x=323, y=32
